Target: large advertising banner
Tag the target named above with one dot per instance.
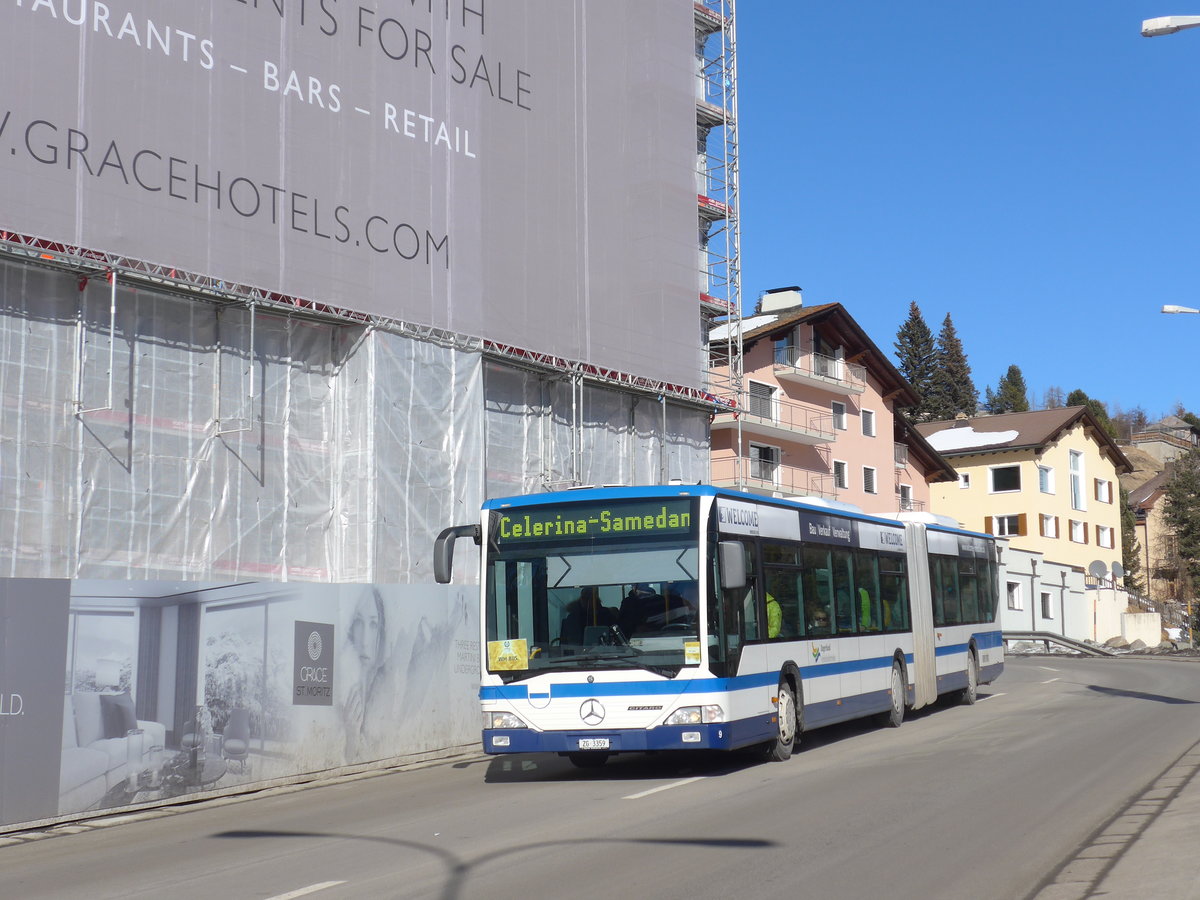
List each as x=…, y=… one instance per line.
x=120, y=693
x=519, y=170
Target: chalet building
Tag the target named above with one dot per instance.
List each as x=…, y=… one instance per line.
x=819, y=418
x=1047, y=480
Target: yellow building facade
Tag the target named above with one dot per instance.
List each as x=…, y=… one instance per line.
x=1047, y=480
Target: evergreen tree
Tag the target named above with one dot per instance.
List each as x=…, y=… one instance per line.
x=1181, y=512
x=1131, y=556
x=1096, y=408
x=1011, y=394
x=916, y=353
x=951, y=390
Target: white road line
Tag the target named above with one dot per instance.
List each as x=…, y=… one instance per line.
x=311, y=889
x=663, y=787
x=991, y=697
x=1048, y=668
x=1051, y=681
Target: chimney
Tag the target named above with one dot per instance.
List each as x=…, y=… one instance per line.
x=961, y=420
x=778, y=299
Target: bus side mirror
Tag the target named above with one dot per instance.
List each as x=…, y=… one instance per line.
x=443, y=549
x=733, y=565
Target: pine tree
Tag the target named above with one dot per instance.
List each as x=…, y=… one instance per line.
x=951, y=390
x=1098, y=410
x=1181, y=512
x=916, y=353
x=1131, y=555
x=1011, y=394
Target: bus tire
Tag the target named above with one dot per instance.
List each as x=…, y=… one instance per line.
x=970, y=693
x=895, y=714
x=588, y=760
x=787, y=718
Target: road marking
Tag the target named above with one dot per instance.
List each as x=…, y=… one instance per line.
x=1048, y=668
x=301, y=892
x=663, y=787
x=1051, y=681
x=991, y=696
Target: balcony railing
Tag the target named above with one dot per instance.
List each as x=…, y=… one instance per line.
x=768, y=417
x=908, y=504
x=817, y=369
x=773, y=479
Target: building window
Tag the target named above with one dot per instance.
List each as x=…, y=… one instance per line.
x=1078, y=531
x=868, y=423
x=764, y=462
x=869, y=479
x=1008, y=526
x=1049, y=526
x=906, y=498
x=1078, y=501
x=1045, y=479
x=841, y=477
x=1104, y=536
x=839, y=415
x=1103, y=490
x=1005, y=479
x=1014, y=595
x=964, y=480
x=1047, y=609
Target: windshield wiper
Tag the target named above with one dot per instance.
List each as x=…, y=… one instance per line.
x=600, y=657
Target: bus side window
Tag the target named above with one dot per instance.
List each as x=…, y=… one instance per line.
x=968, y=584
x=893, y=592
x=866, y=588
x=817, y=592
x=843, y=592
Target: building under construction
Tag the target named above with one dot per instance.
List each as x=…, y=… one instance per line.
x=256, y=356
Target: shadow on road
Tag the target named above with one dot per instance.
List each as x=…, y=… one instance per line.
x=1137, y=695
x=458, y=870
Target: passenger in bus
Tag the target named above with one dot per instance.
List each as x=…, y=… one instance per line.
x=866, y=622
x=583, y=612
x=817, y=617
x=774, y=616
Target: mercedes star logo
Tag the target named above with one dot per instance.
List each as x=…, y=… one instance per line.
x=591, y=712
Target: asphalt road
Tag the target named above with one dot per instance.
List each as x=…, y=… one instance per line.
x=981, y=802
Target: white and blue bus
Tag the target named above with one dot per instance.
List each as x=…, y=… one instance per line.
x=684, y=617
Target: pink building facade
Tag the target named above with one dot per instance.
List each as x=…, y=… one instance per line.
x=819, y=416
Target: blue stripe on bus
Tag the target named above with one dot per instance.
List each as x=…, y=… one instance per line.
x=983, y=640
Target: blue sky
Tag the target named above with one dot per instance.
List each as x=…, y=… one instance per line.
x=1030, y=167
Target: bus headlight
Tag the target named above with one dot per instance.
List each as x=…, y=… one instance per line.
x=696, y=715
x=502, y=720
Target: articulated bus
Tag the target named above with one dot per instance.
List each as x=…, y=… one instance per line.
x=677, y=617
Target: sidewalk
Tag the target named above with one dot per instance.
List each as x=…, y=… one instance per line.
x=1146, y=850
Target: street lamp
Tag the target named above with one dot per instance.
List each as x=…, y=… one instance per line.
x=1168, y=25
x=1172, y=308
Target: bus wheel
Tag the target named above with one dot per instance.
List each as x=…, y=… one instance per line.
x=971, y=691
x=588, y=760
x=895, y=714
x=780, y=748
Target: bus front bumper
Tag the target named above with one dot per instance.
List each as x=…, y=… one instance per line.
x=717, y=736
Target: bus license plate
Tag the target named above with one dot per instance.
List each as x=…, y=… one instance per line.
x=593, y=743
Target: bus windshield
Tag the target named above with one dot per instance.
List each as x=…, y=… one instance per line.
x=593, y=598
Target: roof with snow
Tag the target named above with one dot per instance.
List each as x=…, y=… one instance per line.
x=1034, y=430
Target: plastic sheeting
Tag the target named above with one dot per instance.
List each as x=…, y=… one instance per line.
x=226, y=445
x=322, y=452
x=546, y=432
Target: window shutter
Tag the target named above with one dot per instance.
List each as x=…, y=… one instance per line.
x=989, y=524
x=1085, y=533
x=1022, y=525
x=1096, y=489
x=1056, y=531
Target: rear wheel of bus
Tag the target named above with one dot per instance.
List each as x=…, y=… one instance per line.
x=895, y=714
